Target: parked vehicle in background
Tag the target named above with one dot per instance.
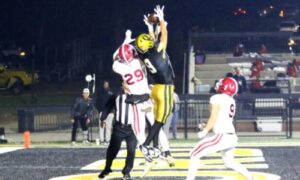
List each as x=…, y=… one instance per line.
x=13, y=75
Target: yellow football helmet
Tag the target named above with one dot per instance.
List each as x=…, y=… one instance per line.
x=144, y=42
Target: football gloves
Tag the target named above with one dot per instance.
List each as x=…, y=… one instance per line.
x=148, y=23
x=128, y=38
x=159, y=12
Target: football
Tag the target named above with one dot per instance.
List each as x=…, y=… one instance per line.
x=153, y=19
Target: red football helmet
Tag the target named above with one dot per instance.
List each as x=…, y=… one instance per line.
x=127, y=52
x=227, y=86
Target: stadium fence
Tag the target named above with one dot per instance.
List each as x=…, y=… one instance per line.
x=271, y=114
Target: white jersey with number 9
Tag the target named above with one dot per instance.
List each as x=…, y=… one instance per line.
x=224, y=121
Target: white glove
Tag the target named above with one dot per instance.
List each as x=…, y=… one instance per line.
x=159, y=12
x=202, y=133
x=128, y=38
x=148, y=24
x=128, y=33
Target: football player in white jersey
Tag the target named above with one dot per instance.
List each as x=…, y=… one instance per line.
x=130, y=68
x=222, y=110
x=128, y=65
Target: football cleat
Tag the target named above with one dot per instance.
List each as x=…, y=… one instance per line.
x=166, y=156
x=145, y=151
x=104, y=173
x=156, y=152
x=127, y=177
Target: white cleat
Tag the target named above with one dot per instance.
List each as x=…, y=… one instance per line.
x=168, y=158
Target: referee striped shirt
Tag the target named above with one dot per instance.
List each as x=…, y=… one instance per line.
x=124, y=112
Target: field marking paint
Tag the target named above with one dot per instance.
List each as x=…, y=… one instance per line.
x=211, y=166
x=139, y=163
x=9, y=149
x=224, y=175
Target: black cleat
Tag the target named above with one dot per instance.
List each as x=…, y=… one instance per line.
x=127, y=177
x=166, y=155
x=104, y=173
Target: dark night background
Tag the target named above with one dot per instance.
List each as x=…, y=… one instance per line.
x=46, y=23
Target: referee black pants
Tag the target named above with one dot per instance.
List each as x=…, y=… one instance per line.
x=119, y=134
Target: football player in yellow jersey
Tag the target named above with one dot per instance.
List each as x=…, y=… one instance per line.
x=159, y=68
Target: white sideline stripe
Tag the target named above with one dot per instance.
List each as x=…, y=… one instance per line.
x=121, y=153
x=38, y=167
x=93, y=165
x=9, y=149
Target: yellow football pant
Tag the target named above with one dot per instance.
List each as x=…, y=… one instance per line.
x=162, y=95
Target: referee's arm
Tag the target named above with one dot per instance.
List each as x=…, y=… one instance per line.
x=108, y=107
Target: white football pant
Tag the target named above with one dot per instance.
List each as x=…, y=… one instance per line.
x=225, y=143
x=141, y=111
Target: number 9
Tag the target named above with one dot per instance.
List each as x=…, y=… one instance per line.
x=139, y=75
x=150, y=66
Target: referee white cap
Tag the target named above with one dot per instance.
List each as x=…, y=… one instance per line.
x=86, y=90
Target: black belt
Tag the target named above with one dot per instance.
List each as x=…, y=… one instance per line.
x=123, y=125
x=136, y=99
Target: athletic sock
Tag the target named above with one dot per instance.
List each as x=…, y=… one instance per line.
x=155, y=140
x=153, y=132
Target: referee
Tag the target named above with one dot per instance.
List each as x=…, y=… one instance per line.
x=121, y=131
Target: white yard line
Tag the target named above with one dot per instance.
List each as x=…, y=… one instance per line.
x=9, y=149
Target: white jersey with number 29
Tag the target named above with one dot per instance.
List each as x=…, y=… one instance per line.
x=224, y=121
x=133, y=75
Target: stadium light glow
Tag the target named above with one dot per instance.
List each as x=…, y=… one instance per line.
x=22, y=53
x=88, y=78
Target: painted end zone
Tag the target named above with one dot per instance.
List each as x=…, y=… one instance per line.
x=212, y=166
x=221, y=174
